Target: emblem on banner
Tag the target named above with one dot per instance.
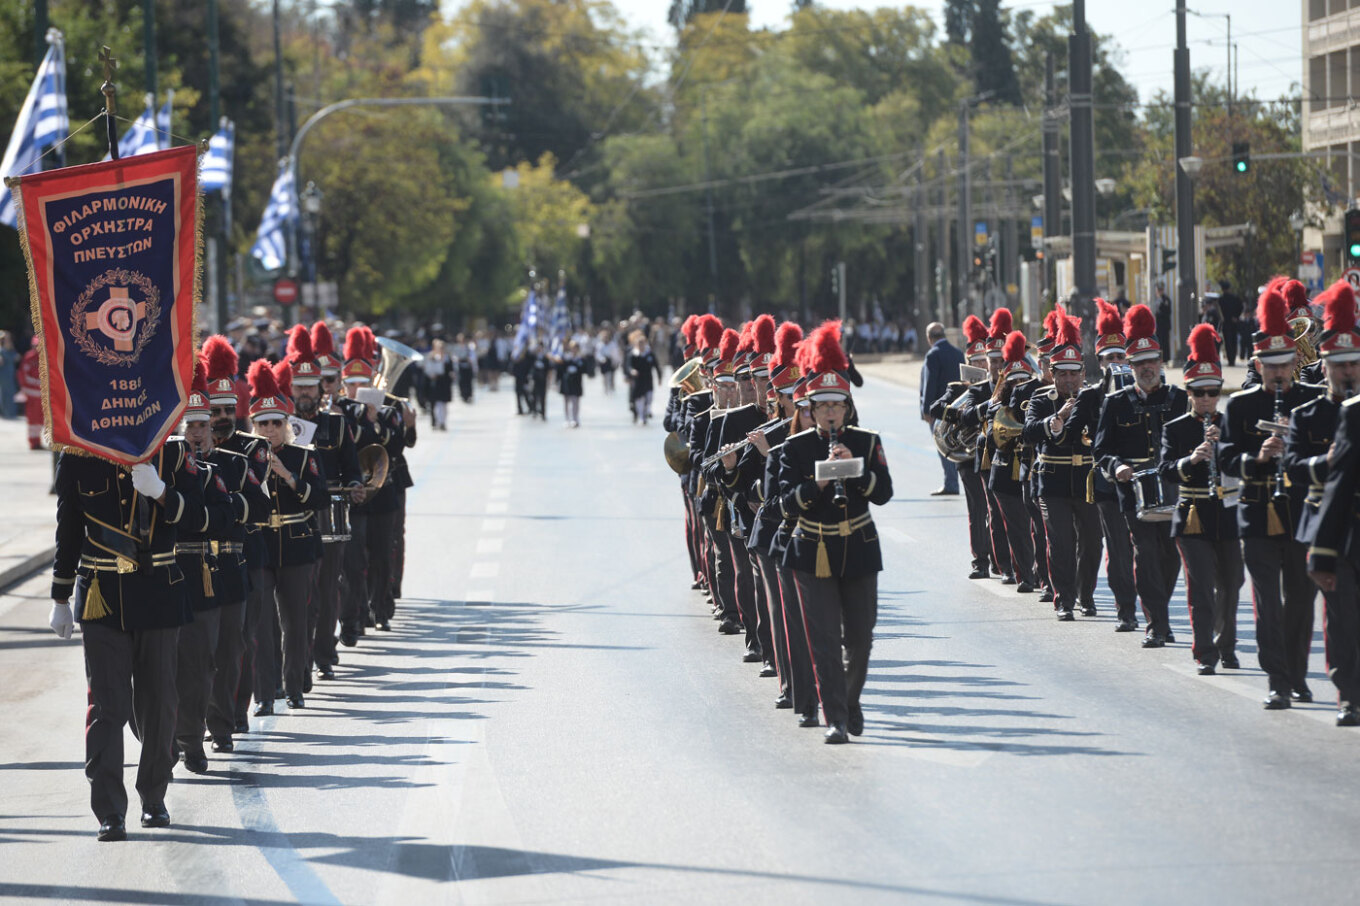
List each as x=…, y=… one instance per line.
x=115, y=317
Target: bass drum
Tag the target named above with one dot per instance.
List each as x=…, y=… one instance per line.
x=335, y=520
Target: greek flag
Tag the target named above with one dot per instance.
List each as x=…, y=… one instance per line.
x=141, y=137
x=163, y=118
x=271, y=244
x=215, y=172
x=528, y=322
x=42, y=122
x=561, y=321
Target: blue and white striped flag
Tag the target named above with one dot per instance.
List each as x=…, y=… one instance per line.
x=271, y=244
x=163, y=118
x=215, y=171
x=42, y=122
x=528, y=322
x=140, y=137
x=561, y=322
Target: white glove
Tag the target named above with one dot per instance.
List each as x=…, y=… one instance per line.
x=146, y=481
x=60, y=620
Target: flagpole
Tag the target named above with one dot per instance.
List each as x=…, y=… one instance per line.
x=110, y=92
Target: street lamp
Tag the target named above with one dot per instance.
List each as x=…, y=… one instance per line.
x=1105, y=186
x=311, y=208
x=1192, y=165
x=1296, y=223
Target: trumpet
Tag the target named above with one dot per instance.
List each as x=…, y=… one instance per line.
x=713, y=460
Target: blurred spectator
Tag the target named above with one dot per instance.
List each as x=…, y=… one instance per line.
x=9, y=366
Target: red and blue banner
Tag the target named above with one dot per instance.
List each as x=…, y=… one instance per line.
x=114, y=265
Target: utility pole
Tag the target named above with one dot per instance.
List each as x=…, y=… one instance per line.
x=942, y=288
x=921, y=238
x=149, y=45
x=1052, y=171
x=1082, y=141
x=1010, y=244
x=1185, y=190
x=712, y=239
x=220, y=238
x=964, y=240
x=280, y=142
x=40, y=25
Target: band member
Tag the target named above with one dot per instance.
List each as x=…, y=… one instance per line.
x=1203, y=524
x=721, y=571
x=1311, y=450
x=959, y=405
x=214, y=593
x=357, y=372
x=333, y=447
x=834, y=553
x=1114, y=376
x=673, y=420
x=1007, y=476
x=234, y=682
x=1060, y=423
x=1043, y=352
x=1002, y=555
x=1127, y=447
x=116, y=534
x=1271, y=502
x=292, y=543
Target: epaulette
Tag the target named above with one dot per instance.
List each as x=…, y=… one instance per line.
x=228, y=452
x=1346, y=404
x=800, y=434
x=859, y=429
x=1245, y=390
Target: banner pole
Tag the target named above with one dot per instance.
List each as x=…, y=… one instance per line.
x=110, y=92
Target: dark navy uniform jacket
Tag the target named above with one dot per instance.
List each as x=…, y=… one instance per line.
x=1312, y=427
x=1130, y=433
x=768, y=518
x=1055, y=478
x=1337, y=532
x=290, y=533
x=1237, y=450
x=847, y=532
x=1218, y=520
x=256, y=451
x=249, y=501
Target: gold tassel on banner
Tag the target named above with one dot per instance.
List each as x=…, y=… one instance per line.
x=1273, y=524
x=207, y=580
x=96, y=608
x=1192, y=523
x=823, y=561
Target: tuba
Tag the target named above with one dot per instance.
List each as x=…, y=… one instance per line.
x=1305, y=332
x=1006, y=428
x=676, y=452
x=396, y=358
x=953, y=441
x=374, y=464
x=688, y=377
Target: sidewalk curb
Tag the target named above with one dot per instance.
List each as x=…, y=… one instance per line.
x=21, y=571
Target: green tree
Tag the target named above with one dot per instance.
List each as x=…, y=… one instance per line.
x=682, y=12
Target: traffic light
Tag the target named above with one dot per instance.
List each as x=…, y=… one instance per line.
x=835, y=280
x=1352, y=237
x=1168, y=260
x=1241, y=153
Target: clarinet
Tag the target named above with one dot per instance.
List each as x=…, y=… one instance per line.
x=838, y=486
x=1279, y=420
x=1214, y=484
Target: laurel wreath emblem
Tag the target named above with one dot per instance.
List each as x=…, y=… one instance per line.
x=150, y=296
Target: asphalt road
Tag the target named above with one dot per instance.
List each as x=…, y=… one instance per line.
x=554, y=718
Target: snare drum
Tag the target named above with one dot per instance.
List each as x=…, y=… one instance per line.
x=335, y=520
x=1152, y=497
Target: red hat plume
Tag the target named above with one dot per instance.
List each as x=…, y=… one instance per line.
x=200, y=377
x=370, y=342
x=1295, y=294
x=1139, y=323
x=1272, y=313
x=1107, y=318
x=687, y=329
x=1204, y=344
x=323, y=342
x=356, y=344
x=786, y=343
x=824, y=349
x=300, y=344
x=1338, y=307
x=762, y=331
x=745, y=342
x=973, y=329
x=727, y=345
x=1051, y=322
x=283, y=376
x=710, y=331
x=1014, y=350
x=262, y=382
x=220, y=358
x=1069, y=331
x=1001, y=324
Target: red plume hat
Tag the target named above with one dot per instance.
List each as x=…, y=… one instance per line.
x=725, y=367
x=1274, y=343
x=762, y=338
x=283, y=377
x=306, y=373
x=1050, y=337
x=1067, y=351
x=323, y=348
x=1013, y=353
x=220, y=359
x=687, y=328
x=1296, y=300
x=709, y=335
x=1203, y=368
x=358, y=366
x=1140, y=331
x=826, y=359
x=1340, y=341
x=265, y=399
x=1109, y=328
x=784, y=372
x=975, y=337
x=198, y=407
x=999, y=332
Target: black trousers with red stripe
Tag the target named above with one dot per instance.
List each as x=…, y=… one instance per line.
x=1213, y=575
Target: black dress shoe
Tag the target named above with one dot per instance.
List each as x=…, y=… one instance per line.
x=980, y=572
x=783, y=702
x=1024, y=588
x=1007, y=579
x=264, y=709
x=1348, y=717
x=1304, y=695
x=1047, y=596
x=729, y=627
x=324, y=673
x=295, y=702
x=1276, y=701
x=1170, y=638
x=223, y=745
x=836, y=735
x=855, y=724
x=696, y=586
x=278, y=692
x=155, y=815
x=349, y=638
x=750, y=657
x=112, y=829
x=368, y=619
x=1154, y=641
x=196, y=762
x=307, y=681
x=768, y=670
x=384, y=626
x=242, y=726
x=1205, y=669
x=944, y=492
x=1065, y=615
x=1230, y=662
x=1088, y=610
x=1126, y=626
x=809, y=720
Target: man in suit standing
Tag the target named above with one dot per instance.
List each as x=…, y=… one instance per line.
x=941, y=368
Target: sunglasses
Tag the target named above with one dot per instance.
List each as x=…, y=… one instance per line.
x=1206, y=391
